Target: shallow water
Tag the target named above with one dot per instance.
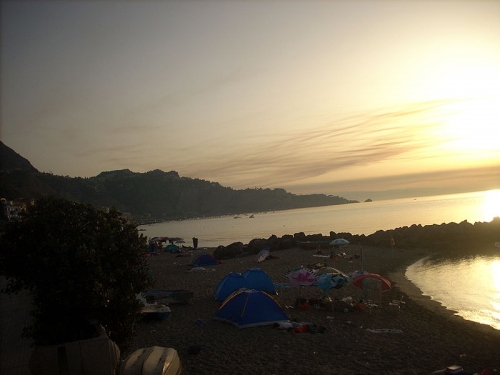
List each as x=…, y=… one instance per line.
x=469, y=286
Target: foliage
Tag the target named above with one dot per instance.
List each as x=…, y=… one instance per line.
x=83, y=265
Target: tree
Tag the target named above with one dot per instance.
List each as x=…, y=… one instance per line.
x=83, y=265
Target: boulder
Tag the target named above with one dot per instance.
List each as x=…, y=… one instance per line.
x=285, y=242
x=257, y=244
x=233, y=250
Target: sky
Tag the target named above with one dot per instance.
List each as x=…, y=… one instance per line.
x=361, y=99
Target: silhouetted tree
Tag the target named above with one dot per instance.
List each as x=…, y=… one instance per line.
x=83, y=265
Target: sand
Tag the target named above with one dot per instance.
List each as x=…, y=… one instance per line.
x=419, y=337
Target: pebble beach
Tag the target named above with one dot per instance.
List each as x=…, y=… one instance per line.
x=418, y=336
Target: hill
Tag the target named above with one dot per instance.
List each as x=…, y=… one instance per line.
x=152, y=196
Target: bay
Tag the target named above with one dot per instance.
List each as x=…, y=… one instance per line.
x=356, y=218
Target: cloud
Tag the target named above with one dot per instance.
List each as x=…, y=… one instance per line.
x=407, y=185
x=361, y=139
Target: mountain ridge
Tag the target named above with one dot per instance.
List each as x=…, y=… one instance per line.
x=150, y=196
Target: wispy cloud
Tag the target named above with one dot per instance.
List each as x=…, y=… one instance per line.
x=409, y=184
x=357, y=140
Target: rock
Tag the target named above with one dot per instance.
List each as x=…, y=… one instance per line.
x=231, y=251
x=257, y=244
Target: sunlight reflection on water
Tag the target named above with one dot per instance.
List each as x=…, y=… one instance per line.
x=469, y=286
x=359, y=218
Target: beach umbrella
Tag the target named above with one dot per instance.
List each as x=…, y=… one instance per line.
x=357, y=273
x=360, y=281
x=175, y=239
x=159, y=239
x=300, y=277
x=339, y=242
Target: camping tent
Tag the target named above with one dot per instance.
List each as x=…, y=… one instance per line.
x=329, y=281
x=259, y=280
x=203, y=260
x=171, y=248
x=250, y=308
x=229, y=284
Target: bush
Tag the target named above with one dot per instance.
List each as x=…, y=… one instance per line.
x=83, y=265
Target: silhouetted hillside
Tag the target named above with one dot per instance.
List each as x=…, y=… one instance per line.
x=150, y=196
x=12, y=161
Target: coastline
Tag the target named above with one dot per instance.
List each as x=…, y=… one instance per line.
x=431, y=337
x=398, y=277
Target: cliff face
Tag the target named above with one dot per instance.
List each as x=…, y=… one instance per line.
x=150, y=196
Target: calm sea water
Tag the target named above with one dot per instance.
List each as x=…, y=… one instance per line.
x=358, y=218
x=469, y=286
x=477, y=299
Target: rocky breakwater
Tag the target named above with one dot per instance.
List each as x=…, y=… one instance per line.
x=446, y=237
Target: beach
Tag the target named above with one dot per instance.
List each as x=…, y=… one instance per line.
x=417, y=337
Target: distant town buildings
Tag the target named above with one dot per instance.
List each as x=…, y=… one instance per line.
x=12, y=209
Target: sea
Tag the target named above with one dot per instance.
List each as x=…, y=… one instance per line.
x=477, y=297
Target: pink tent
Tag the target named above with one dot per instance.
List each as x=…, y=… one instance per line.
x=301, y=277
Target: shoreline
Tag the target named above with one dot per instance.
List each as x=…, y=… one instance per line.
x=431, y=337
x=398, y=277
x=436, y=307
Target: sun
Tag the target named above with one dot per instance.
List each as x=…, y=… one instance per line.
x=467, y=78
x=473, y=126
x=491, y=206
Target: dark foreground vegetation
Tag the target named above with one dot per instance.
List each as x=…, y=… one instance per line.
x=84, y=267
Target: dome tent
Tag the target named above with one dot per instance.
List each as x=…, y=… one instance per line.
x=250, y=308
x=230, y=283
x=259, y=280
x=171, y=248
x=204, y=259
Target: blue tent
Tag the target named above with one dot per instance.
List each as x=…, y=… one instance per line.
x=250, y=308
x=259, y=280
x=205, y=260
x=329, y=281
x=171, y=248
x=229, y=284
